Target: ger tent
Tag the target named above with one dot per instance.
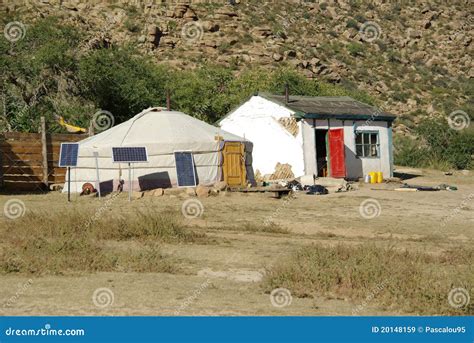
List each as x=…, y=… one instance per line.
x=163, y=133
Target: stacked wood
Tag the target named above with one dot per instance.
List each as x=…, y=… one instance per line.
x=22, y=162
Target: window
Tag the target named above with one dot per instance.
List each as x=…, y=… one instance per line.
x=367, y=144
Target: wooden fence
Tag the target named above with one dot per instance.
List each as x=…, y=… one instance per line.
x=29, y=161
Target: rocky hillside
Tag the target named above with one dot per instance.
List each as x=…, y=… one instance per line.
x=414, y=57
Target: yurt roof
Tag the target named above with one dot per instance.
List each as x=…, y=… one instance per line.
x=168, y=129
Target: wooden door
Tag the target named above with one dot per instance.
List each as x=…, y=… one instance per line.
x=336, y=153
x=234, y=164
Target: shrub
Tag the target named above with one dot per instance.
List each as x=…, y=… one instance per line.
x=355, y=49
x=410, y=281
x=352, y=24
x=436, y=145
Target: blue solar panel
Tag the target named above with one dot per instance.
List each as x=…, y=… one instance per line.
x=68, y=154
x=129, y=154
x=185, y=169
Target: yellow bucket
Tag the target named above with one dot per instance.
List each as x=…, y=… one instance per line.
x=373, y=177
x=379, y=177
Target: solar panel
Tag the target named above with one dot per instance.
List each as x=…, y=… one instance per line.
x=129, y=154
x=68, y=154
x=185, y=169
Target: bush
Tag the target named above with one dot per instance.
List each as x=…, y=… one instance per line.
x=355, y=49
x=351, y=23
x=436, y=145
x=409, y=281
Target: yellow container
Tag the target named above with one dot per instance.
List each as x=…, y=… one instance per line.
x=379, y=177
x=373, y=177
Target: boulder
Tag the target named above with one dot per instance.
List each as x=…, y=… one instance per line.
x=202, y=191
x=172, y=191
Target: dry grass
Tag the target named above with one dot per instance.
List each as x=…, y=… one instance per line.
x=67, y=241
x=254, y=228
x=407, y=281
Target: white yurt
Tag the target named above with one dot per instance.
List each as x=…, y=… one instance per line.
x=163, y=133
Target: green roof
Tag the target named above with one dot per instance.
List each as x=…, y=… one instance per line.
x=329, y=107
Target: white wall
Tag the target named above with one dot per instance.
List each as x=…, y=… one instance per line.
x=257, y=121
x=357, y=167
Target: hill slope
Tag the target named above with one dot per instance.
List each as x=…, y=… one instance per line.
x=413, y=57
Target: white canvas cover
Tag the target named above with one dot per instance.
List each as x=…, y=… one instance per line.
x=162, y=132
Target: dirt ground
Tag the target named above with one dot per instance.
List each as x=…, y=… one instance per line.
x=224, y=278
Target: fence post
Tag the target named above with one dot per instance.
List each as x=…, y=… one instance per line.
x=44, y=151
x=2, y=141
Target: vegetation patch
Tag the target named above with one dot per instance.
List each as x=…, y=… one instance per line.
x=70, y=241
x=407, y=281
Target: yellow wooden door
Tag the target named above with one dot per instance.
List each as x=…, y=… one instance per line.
x=234, y=164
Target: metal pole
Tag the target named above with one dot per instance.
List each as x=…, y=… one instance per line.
x=96, y=155
x=129, y=181
x=68, y=183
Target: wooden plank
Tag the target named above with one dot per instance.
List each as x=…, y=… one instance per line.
x=64, y=137
x=22, y=149
x=32, y=145
x=1, y=172
x=23, y=170
x=44, y=151
x=9, y=156
x=24, y=186
x=23, y=178
x=21, y=135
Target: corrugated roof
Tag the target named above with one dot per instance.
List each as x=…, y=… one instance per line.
x=322, y=107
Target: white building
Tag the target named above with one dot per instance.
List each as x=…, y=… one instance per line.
x=217, y=155
x=325, y=136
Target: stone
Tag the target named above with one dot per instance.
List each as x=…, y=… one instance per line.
x=202, y=191
x=227, y=11
x=191, y=191
x=262, y=31
x=277, y=57
x=221, y=185
x=210, y=26
x=172, y=191
x=290, y=54
x=153, y=30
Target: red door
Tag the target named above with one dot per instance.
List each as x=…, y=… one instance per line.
x=336, y=153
